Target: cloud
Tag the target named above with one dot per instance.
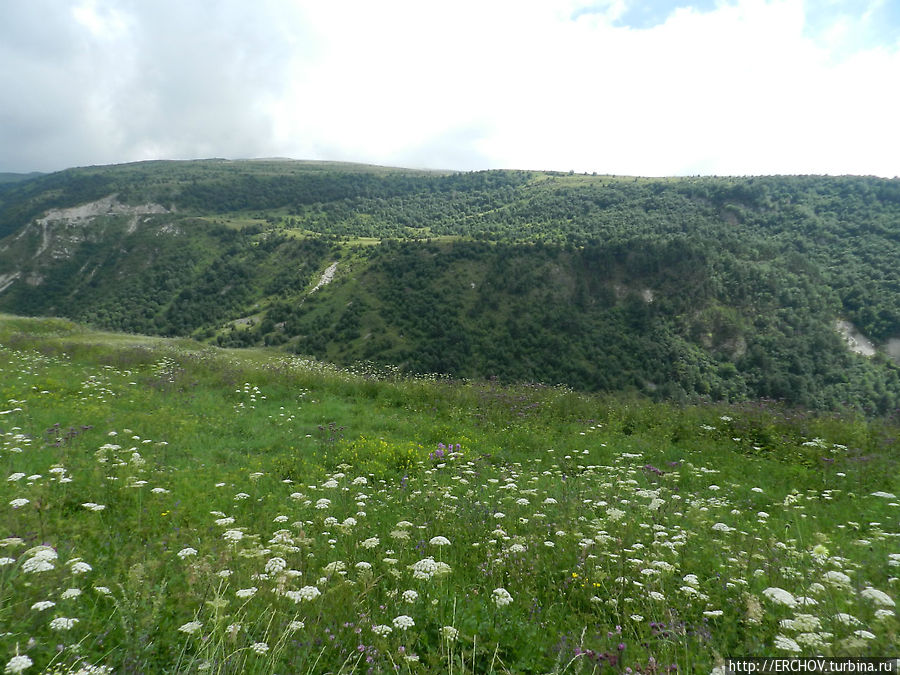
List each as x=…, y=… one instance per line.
x=727, y=87
x=116, y=81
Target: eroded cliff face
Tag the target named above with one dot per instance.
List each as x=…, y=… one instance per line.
x=860, y=344
x=59, y=231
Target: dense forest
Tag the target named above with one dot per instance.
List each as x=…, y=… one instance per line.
x=682, y=288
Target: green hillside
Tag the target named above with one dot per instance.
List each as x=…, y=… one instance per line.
x=685, y=289
x=171, y=507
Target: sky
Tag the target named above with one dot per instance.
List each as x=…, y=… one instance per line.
x=624, y=87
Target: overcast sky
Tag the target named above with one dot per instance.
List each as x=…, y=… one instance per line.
x=658, y=87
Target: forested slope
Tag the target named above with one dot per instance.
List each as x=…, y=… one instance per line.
x=727, y=288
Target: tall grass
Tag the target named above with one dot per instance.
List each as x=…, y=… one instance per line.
x=198, y=510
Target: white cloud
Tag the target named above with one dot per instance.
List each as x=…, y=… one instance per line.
x=742, y=89
x=753, y=86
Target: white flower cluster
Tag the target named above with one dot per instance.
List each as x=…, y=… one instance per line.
x=306, y=593
x=426, y=568
x=40, y=560
x=501, y=597
x=403, y=622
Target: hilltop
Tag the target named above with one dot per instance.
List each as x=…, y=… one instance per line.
x=684, y=288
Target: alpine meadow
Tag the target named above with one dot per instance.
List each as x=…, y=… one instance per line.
x=277, y=416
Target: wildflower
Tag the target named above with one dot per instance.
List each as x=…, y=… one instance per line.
x=191, y=627
x=17, y=664
x=847, y=619
x=780, y=596
x=439, y=541
x=40, y=560
x=80, y=567
x=879, y=598
x=91, y=506
x=335, y=566
x=240, y=496
x=864, y=634
x=102, y=590
x=371, y=542
x=787, y=644
x=712, y=613
x=246, y=592
x=62, y=623
x=813, y=640
x=501, y=597
x=836, y=578
x=363, y=565
x=309, y=593
x=323, y=503
x=410, y=596
x=70, y=593
x=296, y=625
x=449, y=633
x=41, y=605
x=233, y=535
x=6, y=561
x=225, y=521
x=19, y=503
x=403, y=622
x=382, y=630
x=16, y=476
x=282, y=537
x=275, y=565
x=187, y=552
x=259, y=647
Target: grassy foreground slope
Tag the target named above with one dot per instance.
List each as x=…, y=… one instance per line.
x=173, y=507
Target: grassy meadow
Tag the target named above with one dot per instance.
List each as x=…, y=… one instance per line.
x=169, y=507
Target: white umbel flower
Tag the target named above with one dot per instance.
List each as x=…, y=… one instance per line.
x=17, y=664
x=403, y=622
x=877, y=597
x=62, y=623
x=501, y=597
x=190, y=627
x=780, y=596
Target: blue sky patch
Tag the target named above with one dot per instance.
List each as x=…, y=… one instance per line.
x=649, y=13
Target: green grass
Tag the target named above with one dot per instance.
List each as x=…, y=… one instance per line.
x=628, y=534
